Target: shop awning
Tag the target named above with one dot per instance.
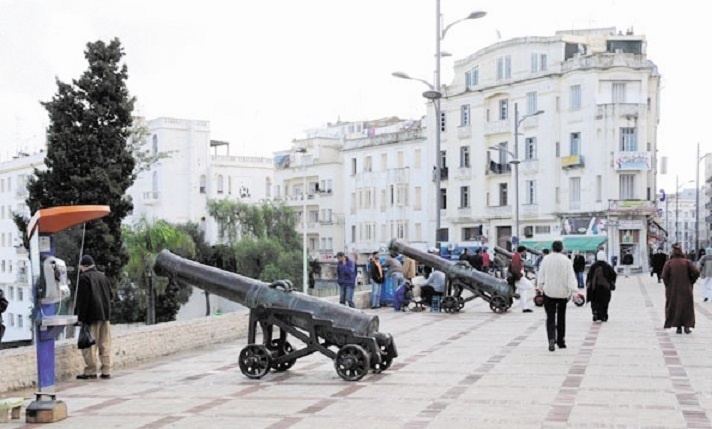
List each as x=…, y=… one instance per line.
x=584, y=243
x=538, y=245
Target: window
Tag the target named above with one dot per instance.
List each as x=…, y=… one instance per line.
x=542, y=229
x=538, y=62
x=353, y=233
x=203, y=184
x=557, y=195
x=627, y=187
x=575, y=144
x=628, y=140
x=531, y=103
x=20, y=292
x=442, y=122
x=443, y=198
x=464, y=196
x=503, y=109
x=530, y=148
x=367, y=164
x=464, y=115
x=418, y=232
x=417, y=161
x=575, y=97
x=503, y=154
x=443, y=159
x=504, y=67
x=402, y=230
x=471, y=233
x=475, y=76
x=575, y=193
x=402, y=195
x=353, y=166
x=619, y=90
x=468, y=79
x=401, y=159
x=530, y=189
x=220, y=184
x=599, y=188
x=417, y=205
x=464, y=157
x=20, y=321
x=384, y=161
x=502, y=194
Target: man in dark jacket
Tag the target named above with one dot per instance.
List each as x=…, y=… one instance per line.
x=346, y=278
x=658, y=263
x=94, y=310
x=579, y=267
x=600, y=282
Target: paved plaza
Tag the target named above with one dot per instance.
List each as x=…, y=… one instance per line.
x=475, y=369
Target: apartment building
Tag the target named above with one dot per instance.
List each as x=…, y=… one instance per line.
x=14, y=258
x=585, y=107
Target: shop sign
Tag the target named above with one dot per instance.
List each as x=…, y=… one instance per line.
x=633, y=160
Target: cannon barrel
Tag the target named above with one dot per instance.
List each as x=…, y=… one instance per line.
x=452, y=270
x=254, y=293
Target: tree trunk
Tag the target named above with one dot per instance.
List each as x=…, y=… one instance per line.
x=151, y=308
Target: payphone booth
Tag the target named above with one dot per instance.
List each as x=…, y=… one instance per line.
x=51, y=296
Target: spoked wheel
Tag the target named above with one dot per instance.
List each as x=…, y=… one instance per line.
x=499, y=304
x=279, y=352
x=255, y=360
x=352, y=362
x=386, y=358
x=450, y=304
x=460, y=303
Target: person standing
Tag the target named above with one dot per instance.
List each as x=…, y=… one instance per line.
x=485, y=260
x=579, y=267
x=475, y=259
x=408, y=269
x=376, y=275
x=658, y=263
x=679, y=274
x=394, y=271
x=627, y=261
x=94, y=310
x=600, y=282
x=525, y=288
x=557, y=281
x=346, y=278
x=705, y=264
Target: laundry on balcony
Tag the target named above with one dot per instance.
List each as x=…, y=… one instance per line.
x=498, y=168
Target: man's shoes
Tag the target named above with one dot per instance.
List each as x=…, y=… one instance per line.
x=687, y=330
x=105, y=376
x=527, y=310
x=679, y=330
x=551, y=345
x=561, y=344
x=86, y=377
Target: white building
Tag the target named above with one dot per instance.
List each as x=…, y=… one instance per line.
x=197, y=169
x=588, y=161
x=14, y=260
x=680, y=216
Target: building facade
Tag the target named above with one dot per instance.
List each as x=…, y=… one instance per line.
x=583, y=107
x=14, y=258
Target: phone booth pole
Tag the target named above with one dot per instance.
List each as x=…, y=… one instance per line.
x=49, y=289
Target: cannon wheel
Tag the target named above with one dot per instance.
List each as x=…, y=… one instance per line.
x=285, y=350
x=255, y=360
x=352, y=362
x=386, y=358
x=450, y=304
x=499, y=304
x=460, y=303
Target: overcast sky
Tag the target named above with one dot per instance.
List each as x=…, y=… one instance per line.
x=264, y=71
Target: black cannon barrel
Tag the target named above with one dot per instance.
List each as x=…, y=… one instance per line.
x=254, y=293
x=451, y=269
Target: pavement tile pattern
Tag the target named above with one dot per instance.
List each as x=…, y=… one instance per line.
x=474, y=369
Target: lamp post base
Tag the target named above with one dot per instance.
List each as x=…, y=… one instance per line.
x=45, y=409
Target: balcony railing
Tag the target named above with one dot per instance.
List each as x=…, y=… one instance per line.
x=497, y=127
x=464, y=132
x=497, y=168
x=499, y=211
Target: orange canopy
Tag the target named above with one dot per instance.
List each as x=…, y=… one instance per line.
x=57, y=219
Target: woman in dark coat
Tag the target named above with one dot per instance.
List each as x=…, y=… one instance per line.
x=600, y=281
x=659, y=260
x=678, y=275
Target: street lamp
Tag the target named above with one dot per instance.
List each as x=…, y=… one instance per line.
x=515, y=156
x=303, y=151
x=434, y=95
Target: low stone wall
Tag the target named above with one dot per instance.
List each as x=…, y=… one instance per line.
x=131, y=346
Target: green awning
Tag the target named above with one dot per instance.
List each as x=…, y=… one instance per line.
x=538, y=245
x=584, y=243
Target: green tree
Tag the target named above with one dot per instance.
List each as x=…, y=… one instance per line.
x=143, y=243
x=88, y=160
x=203, y=251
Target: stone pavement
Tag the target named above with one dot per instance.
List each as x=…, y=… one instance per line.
x=475, y=369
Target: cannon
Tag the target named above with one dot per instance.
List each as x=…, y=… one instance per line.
x=506, y=258
x=348, y=336
x=462, y=277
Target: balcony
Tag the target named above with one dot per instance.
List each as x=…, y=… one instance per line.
x=635, y=161
x=444, y=173
x=497, y=168
x=530, y=210
x=21, y=278
x=465, y=212
x=463, y=173
x=499, y=211
x=529, y=166
x=464, y=132
x=20, y=250
x=497, y=127
x=398, y=175
x=572, y=161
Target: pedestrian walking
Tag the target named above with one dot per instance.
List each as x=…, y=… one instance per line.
x=600, y=282
x=679, y=274
x=659, y=260
x=558, y=282
x=346, y=278
x=394, y=271
x=705, y=264
x=376, y=275
x=579, y=267
x=94, y=310
x=627, y=261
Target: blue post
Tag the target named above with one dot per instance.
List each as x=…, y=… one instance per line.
x=45, y=339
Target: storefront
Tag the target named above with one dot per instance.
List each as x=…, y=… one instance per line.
x=628, y=231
